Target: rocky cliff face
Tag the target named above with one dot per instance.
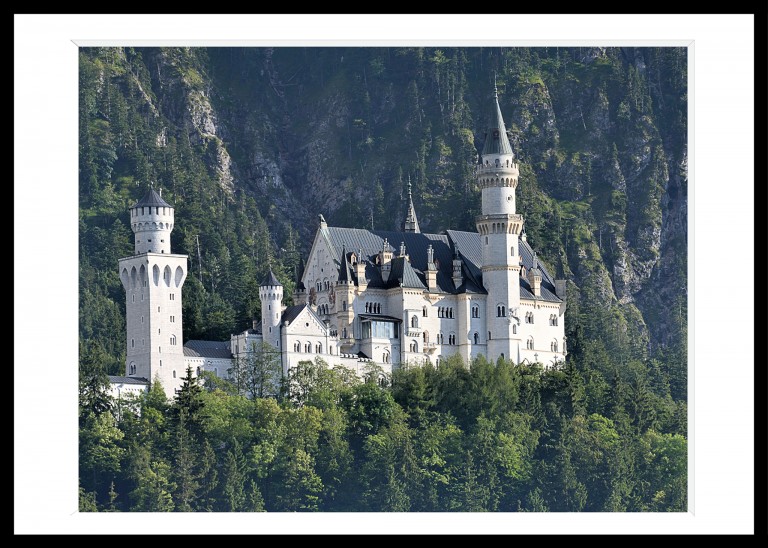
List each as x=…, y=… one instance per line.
x=338, y=131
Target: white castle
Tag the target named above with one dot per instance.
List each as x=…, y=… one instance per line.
x=363, y=296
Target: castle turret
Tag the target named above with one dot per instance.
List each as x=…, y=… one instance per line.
x=271, y=296
x=499, y=226
x=152, y=223
x=344, y=296
x=153, y=278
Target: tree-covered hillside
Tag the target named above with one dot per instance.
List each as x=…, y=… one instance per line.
x=251, y=144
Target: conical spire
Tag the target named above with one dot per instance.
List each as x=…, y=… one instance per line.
x=411, y=224
x=496, y=140
x=152, y=198
x=299, y=273
x=271, y=280
x=345, y=275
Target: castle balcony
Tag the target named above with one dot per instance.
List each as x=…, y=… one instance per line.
x=430, y=347
x=347, y=342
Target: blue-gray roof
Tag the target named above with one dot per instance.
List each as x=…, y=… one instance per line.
x=152, y=198
x=469, y=247
x=403, y=274
x=116, y=379
x=270, y=279
x=207, y=349
x=496, y=140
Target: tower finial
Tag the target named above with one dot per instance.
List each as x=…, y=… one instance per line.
x=409, y=186
x=495, y=89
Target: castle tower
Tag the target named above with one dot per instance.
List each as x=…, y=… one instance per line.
x=345, y=295
x=271, y=296
x=153, y=278
x=499, y=227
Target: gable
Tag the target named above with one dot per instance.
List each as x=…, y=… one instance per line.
x=304, y=322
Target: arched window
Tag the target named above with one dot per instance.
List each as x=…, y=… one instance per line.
x=385, y=357
x=529, y=343
x=132, y=369
x=553, y=346
x=564, y=348
x=424, y=311
x=174, y=373
x=440, y=338
x=514, y=329
x=512, y=251
x=344, y=305
x=497, y=162
x=198, y=370
x=489, y=335
x=344, y=333
x=366, y=308
x=425, y=336
x=414, y=321
x=308, y=348
x=173, y=339
x=452, y=338
x=501, y=311
x=297, y=346
x=477, y=338
x=475, y=311
x=319, y=348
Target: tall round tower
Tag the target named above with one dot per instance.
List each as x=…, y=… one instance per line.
x=499, y=227
x=153, y=278
x=271, y=295
x=152, y=223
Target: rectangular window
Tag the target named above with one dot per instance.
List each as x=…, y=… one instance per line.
x=172, y=297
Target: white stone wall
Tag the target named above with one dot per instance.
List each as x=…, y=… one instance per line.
x=218, y=366
x=120, y=390
x=542, y=332
x=153, y=284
